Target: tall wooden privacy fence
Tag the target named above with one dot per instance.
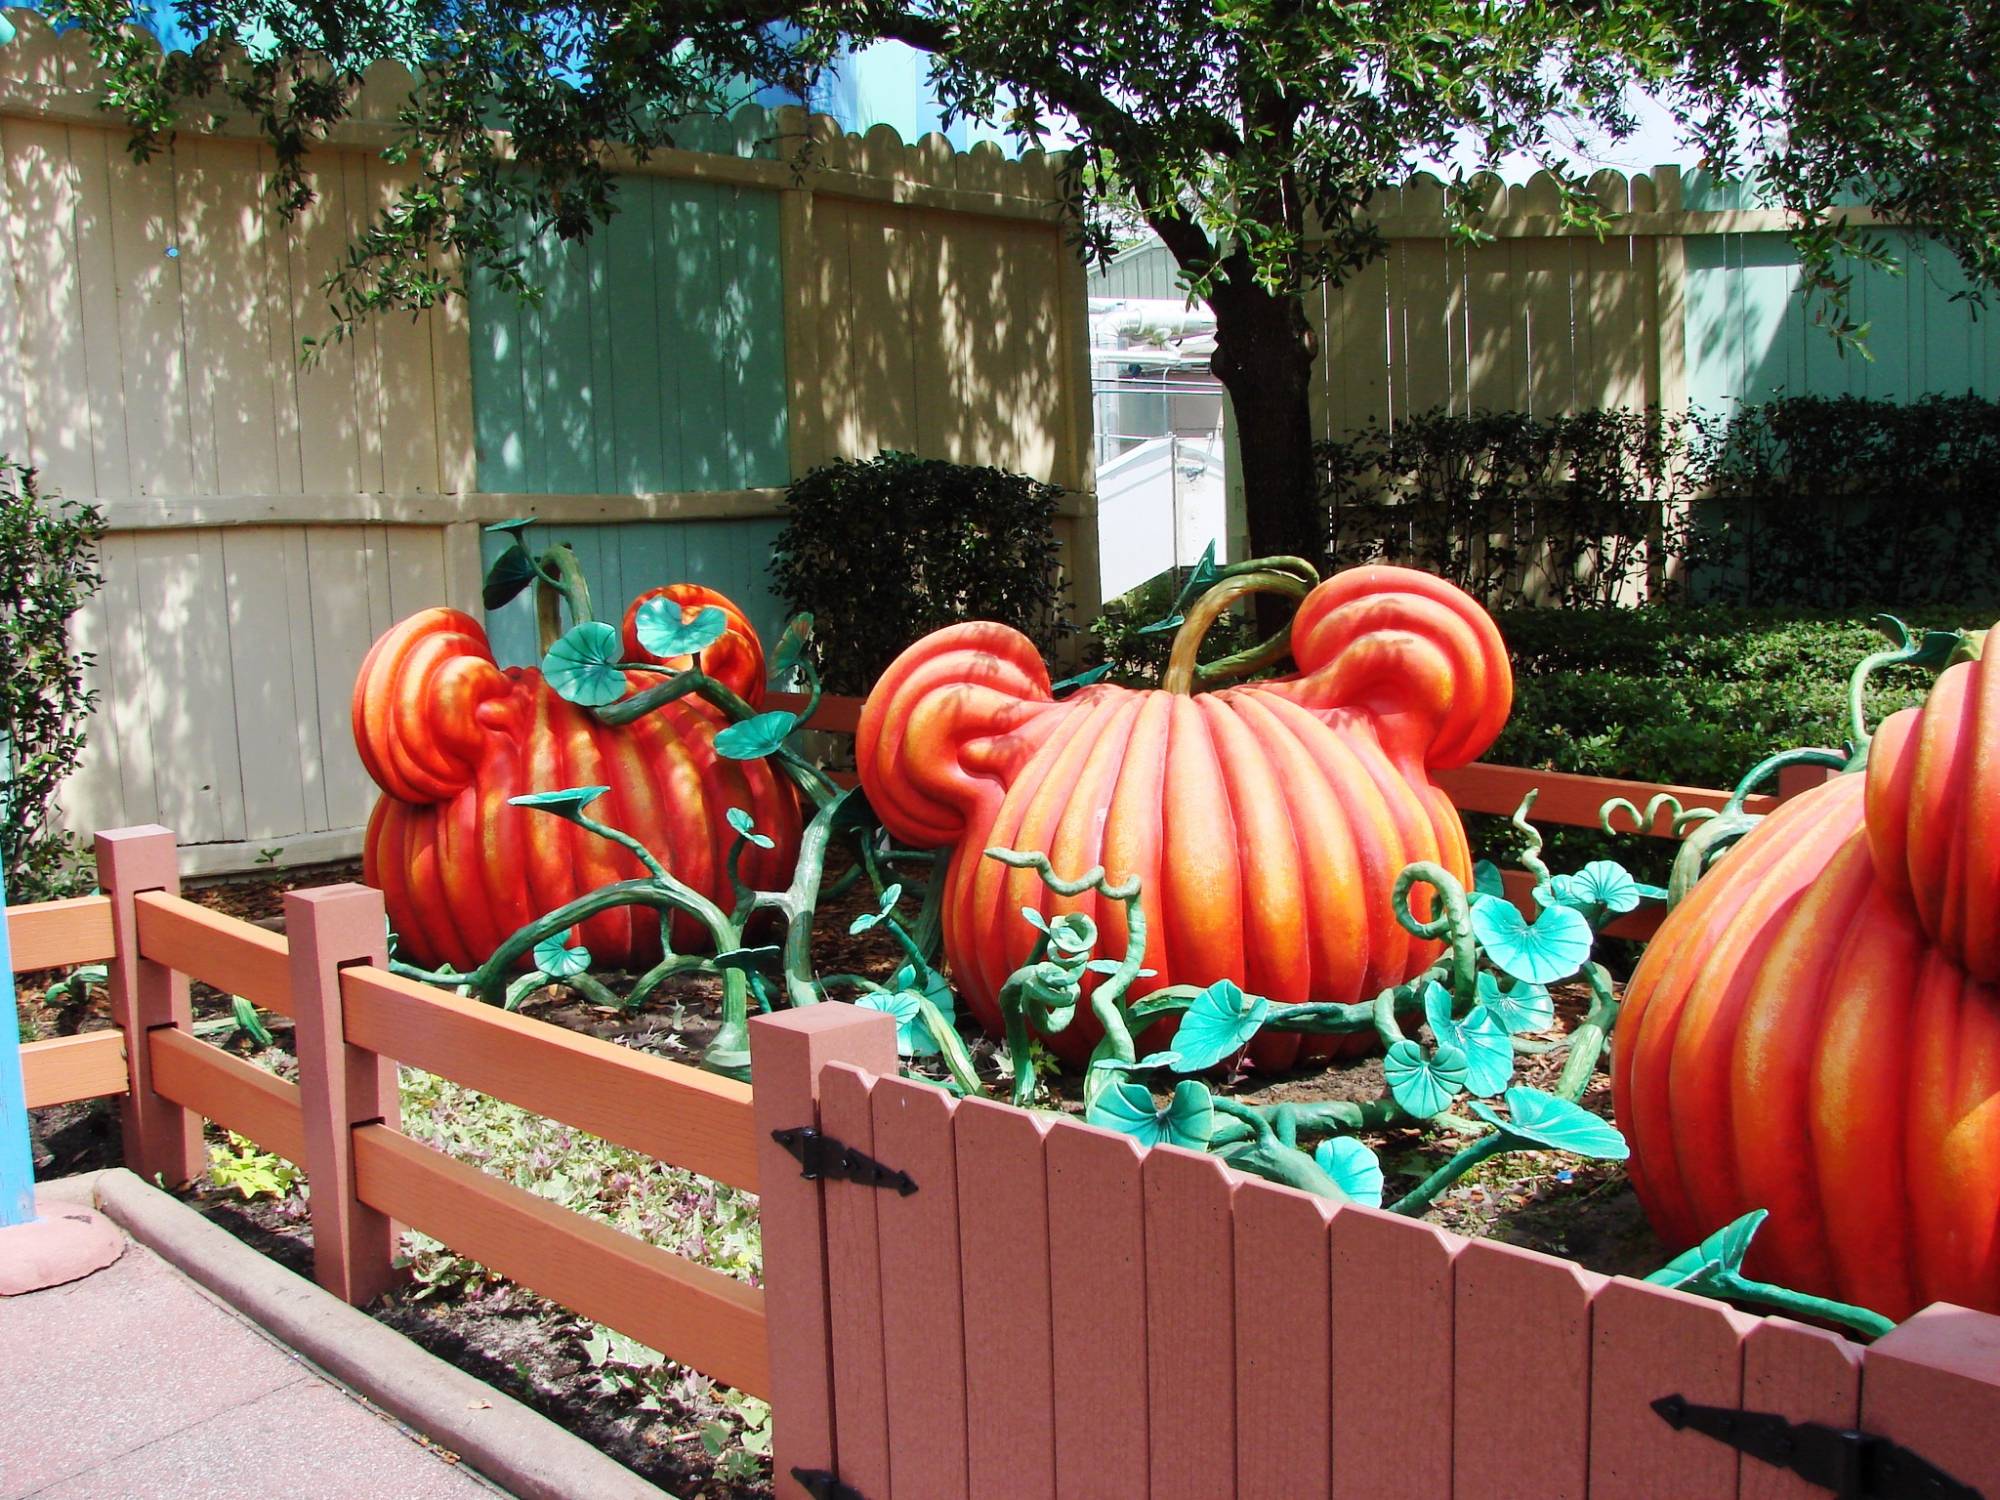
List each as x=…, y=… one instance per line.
x=1032, y=1307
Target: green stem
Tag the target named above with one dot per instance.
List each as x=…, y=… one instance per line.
x=1453, y=926
x=1419, y=1197
x=1804, y=1305
x=1586, y=1043
x=559, y=581
x=952, y=1046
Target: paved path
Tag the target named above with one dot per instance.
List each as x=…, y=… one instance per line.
x=136, y=1384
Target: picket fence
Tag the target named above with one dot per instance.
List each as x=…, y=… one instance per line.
x=1045, y=1310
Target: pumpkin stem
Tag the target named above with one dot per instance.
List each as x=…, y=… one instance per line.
x=559, y=581
x=1293, y=577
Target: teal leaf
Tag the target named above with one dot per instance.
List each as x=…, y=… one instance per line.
x=1081, y=680
x=567, y=804
x=513, y=526
x=1204, y=577
x=249, y=1022
x=1486, y=881
x=582, y=667
x=662, y=630
x=1187, y=1118
x=1160, y=627
x=1556, y=1124
x=1720, y=1255
x=1217, y=1024
x=1652, y=893
x=752, y=960
x=1112, y=965
x=1145, y=1064
x=1034, y=919
x=1553, y=947
x=1424, y=1083
x=1353, y=1168
x=851, y=812
x=907, y=1007
x=1518, y=1006
x=1489, y=1052
x=791, y=647
x=1602, y=883
x=757, y=737
x=742, y=822
x=868, y=919
x=558, y=960
x=512, y=571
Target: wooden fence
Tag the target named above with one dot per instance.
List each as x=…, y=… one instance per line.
x=739, y=323
x=1048, y=1311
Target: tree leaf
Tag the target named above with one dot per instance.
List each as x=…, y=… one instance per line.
x=582, y=667
x=1516, y=1005
x=1217, y=1024
x=666, y=629
x=560, y=961
x=757, y=737
x=742, y=822
x=1353, y=1168
x=1557, y=1125
x=1424, y=1083
x=1553, y=947
x=512, y=571
x=1187, y=1118
x=1489, y=1054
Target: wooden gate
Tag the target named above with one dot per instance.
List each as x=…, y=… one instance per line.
x=1041, y=1309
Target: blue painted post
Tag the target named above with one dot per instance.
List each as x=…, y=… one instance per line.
x=17, y=1167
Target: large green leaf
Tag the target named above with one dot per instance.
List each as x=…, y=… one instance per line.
x=1217, y=1024
x=512, y=571
x=560, y=961
x=1187, y=1118
x=757, y=737
x=934, y=988
x=1557, y=1125
x=1552, y=947
x=1603, y=883
x=907, y=1007
x=1353, y=1168
x=1721, y=1254
x=663, y=631
x=567, y=804
x=582, y=666
x=791, y=647
x=1424, y=1083
x=1516, y=1005
x=1489, y=1052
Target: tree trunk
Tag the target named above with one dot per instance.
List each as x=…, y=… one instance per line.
x=1264, y=353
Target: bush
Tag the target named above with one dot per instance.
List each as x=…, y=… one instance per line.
x=1139, y=659
x=48, y=568
x=885, y=551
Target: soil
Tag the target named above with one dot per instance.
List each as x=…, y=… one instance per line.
x=1583, y=1210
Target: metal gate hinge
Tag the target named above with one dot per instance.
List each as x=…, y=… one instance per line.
x=822, y=1485
x=1854, y=1465
x=823, y=1156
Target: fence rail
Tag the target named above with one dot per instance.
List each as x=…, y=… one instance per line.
x=1053, y=1312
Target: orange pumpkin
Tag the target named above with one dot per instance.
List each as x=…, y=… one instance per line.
x=1267, y=821
x=449, y=736
x=1816, y=1029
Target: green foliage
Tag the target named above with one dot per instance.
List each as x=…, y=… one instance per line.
x=882, y=552
x=1125, y=639
x=48, y=569
x=244, y=1167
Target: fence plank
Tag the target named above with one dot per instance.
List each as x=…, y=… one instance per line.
x=1518, y=1316
x=1648, y=1342
x=853, y=1264
x=1802, y=1373
x=64, y=1069
x=56, y=934
x=237, y=1095
x=234, y=956
x=667, y=1110
x=688, y=1312
x=1933, y=1385
x=923, y=1317
x=1097, y=1255
x=1190, y=1325
x=1284, y=1343
x=1392, y=1314
x=1003, y=1216
x=1567, y=798
x=788, y=1050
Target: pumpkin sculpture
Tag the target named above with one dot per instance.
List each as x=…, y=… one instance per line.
x=1267, y=820
x=450, y=736
x=1815, y=1030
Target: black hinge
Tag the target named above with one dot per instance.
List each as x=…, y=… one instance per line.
x=824, y=1486
x=823, y=1156
x=1854, y=1465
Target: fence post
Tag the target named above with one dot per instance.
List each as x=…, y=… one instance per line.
x=1932, y=1384
x=787, y=1052
x=162, y=1140
x=1793, y=780
x=340, y=1086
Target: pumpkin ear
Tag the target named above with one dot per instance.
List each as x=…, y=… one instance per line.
x=736, y=659
x=414, y=702
x=918, y=746
x=1416, y=652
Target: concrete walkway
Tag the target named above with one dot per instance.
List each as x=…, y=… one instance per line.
x=135, y=1383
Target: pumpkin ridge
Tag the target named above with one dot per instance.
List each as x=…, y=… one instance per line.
x=1202, y=887
x=1133, y=825
x=1083, y=828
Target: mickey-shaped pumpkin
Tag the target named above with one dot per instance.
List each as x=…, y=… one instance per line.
x=1815, y=1030
x=1267, y=820
x=450, y=736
